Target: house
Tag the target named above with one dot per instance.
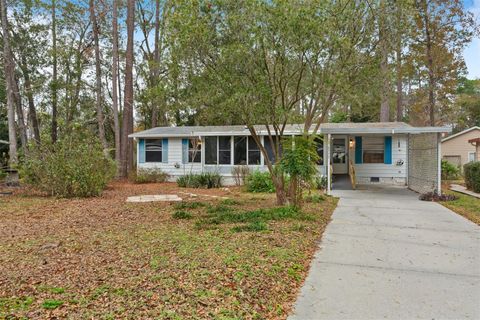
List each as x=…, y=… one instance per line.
x=387, y=153
x=458, y=150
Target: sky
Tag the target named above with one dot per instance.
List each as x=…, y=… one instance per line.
x=472, y=51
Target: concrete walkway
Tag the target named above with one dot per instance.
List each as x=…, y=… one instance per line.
x=388, y=255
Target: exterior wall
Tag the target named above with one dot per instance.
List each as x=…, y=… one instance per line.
x=423, y=168
x=458, y=147
x=388, y=174
x=175, y=168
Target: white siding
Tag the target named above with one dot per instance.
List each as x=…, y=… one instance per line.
x=393, y=171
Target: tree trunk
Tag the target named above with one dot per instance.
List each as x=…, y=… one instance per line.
x=116, y=120
x=398, y=54
x=384, y=104
x=127, y=127
x=8, y=70
x=431, y=77
x=22, y=128
x=54, y=134
x=156, y=58
x=98, y=82
x=32, y=112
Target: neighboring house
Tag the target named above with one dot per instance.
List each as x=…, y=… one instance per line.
x=458, y=150
x=388, y=153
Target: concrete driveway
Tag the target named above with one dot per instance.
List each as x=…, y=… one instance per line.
x=388, y=255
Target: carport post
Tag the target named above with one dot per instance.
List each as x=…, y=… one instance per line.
x=439, y=163
x=329, y=187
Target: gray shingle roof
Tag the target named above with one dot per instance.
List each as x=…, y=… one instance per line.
x=333, y=128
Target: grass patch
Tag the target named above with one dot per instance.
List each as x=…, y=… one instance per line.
x=8, y=305
x=315, y=198
x=465, y=205
x=182, y=214
x=51, y=304
x=255, y=226
x=230, y=202
x=189, y=205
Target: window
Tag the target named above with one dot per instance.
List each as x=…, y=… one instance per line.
x=240, y=150
x=319, y=144
x=270, y=148
x=471, y=156
x=253, y=152
x=153, y=150
x=339, y=151
x=373, y=149
x=224, y=150
x=211, y=150
x=194, y=150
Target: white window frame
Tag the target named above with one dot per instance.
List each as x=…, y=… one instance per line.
x=471, y=154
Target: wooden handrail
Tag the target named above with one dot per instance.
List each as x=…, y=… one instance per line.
x=351, y=172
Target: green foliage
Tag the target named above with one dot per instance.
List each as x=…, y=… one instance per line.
x=258, y=181
x=320, y=182
x=472, y=175
x=189, y=205
x=203, y=180
x=299, y=162
x=315, y=198
x=148, y=176
x=449, y=171
x=3, y=175
x=230, y=202
x=72, y=167
x=182, y=214
x=254, y=226
x=339, y=117
x=51, y=304
x=8, y=305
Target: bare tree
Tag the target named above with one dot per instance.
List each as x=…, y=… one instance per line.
x=127, y=127
x=8, y=70
x=98, y=82
x=116, y=120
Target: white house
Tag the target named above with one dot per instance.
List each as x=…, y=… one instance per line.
x=386, y=153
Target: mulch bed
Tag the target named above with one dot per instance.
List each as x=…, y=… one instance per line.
x=103, y=258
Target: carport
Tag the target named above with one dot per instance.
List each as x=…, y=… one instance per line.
x=383, y=154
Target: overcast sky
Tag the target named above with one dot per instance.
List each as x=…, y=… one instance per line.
x=472, y=52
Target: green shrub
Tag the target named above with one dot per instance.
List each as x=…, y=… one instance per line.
x=148, y=176
x=472, y=175
x=260, y=182
x=203, y=180
x=449, y=171
x=181, y=214
x=320, y=182
x=72, y=167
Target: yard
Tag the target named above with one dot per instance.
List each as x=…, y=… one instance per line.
x=207, y=257
x=465, y=205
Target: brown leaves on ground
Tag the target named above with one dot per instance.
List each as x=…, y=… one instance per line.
x=104, y=258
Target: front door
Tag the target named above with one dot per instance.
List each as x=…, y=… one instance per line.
x=339, y=155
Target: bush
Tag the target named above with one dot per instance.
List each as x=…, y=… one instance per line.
x=240, y=174
x=472, y=175
x=203, y=180
x=260, y=182
x=3, y=175
x=72, y=167
x=449, y=171
x=148, y=176
x=320, y=182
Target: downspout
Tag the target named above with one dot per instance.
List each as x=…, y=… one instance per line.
x=439, y=163
x=329, y=187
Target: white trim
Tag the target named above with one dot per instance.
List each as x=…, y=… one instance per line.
x=474, y=156
x=460, y=133
x=329, y=187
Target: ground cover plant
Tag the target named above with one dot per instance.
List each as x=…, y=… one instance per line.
x=148, y=176
x=202, y=180
x=465, y=205
x=237, y=256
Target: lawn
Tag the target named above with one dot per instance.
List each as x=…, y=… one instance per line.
x=465, y=205
x=205, y=258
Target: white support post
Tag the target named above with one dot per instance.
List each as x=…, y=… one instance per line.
x=439, y=159
x=327, y=162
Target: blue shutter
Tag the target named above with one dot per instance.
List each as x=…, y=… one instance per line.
x=387, y=157
x=165, y=150
x=141, y=150
x=358, y=150
x=184, y=150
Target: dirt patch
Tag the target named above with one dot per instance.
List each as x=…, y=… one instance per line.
x=105, y=258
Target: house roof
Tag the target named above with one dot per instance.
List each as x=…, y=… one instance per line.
x=460, y=133
x=325, y=128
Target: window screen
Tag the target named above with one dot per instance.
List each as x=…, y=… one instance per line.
x=153, y=150
x=211, y=150
x=270, y=148
x=224, y=150
x=253, y=152
x=194, y=150
x=240, y=150
x=319, y=144
x=373, y=149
